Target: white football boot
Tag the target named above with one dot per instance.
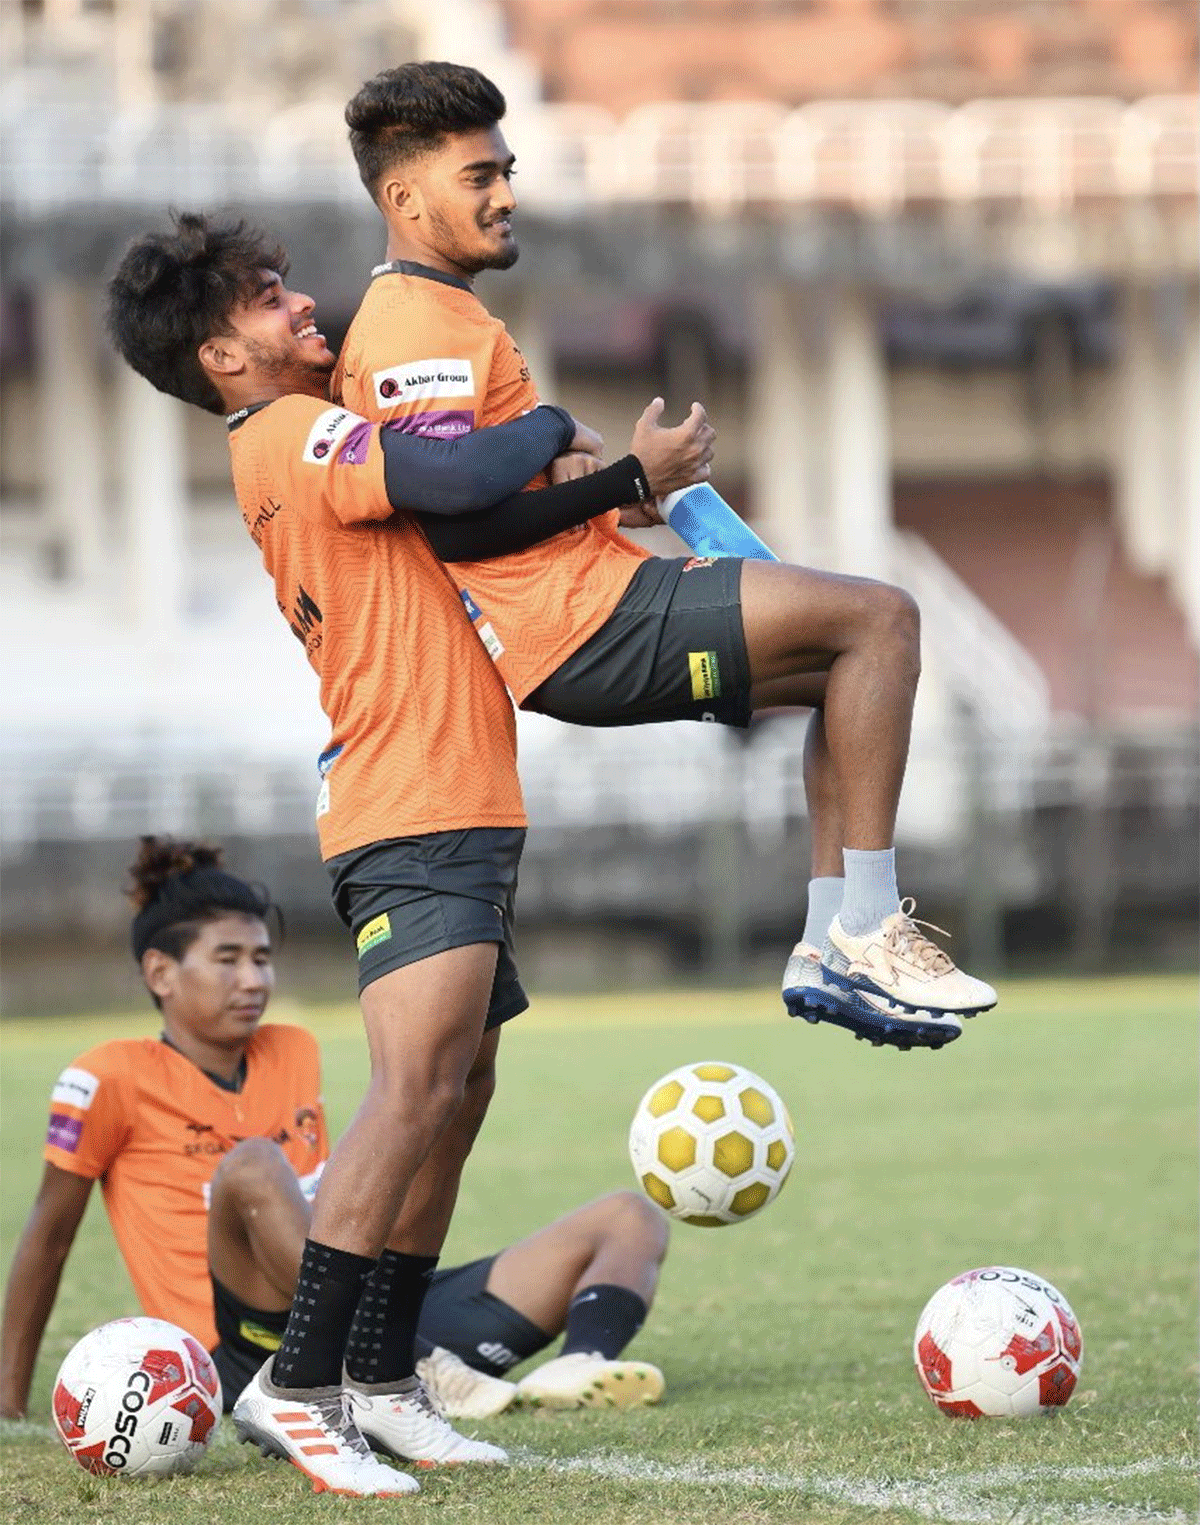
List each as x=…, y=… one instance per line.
x=311, y=1428
x=403, y=1420
x=459, y=1390
x=809, y=994
x=897, y=969
x=582, y=1380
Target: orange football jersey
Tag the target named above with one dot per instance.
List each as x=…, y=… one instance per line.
x=152, y=1128
x=422, y=734
x=424, y=351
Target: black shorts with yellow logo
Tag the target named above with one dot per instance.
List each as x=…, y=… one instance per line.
x=672, y=649
x=407, y=898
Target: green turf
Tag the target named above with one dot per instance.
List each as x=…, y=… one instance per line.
x=1059, y=1134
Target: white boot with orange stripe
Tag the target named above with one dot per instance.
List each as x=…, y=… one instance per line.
x=312, y=1428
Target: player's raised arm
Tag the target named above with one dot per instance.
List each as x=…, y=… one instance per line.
x=33, y=1280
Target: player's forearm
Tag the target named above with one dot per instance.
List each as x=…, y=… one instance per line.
x=463, y=475
x=527, y=517
x=32, y=1288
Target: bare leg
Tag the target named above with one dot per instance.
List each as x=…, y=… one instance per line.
x=878, y=974
x=257, y=1223
x=820, y=783
x=420, y=1228
x=864, y=637
x=618, y=1240
x=424, y=1025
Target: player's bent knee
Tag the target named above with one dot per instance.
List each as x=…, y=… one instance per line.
x=250, y=1168
x=900, y=609
x=634, y=1218
x=897, y=617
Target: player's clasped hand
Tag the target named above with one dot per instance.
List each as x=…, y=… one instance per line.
x=574, y=464
x=673, y=458
x=587, y=441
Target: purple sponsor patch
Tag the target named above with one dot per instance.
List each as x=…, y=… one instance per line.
x=444, y=423
x=358, y=442
x=64, y=1132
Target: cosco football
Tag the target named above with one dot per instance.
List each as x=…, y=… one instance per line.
x=998, y=1342
x=711, y=1143
x=137, y=1397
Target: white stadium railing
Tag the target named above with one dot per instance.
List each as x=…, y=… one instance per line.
x=659, y=782
x=877, y=157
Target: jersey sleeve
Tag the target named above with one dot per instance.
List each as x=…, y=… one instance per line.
x=91, y=1114
x=332, y=461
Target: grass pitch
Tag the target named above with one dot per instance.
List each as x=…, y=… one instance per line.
x=1058, y=1134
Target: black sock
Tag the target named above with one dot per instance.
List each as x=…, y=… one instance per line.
x=603, y=1319
x=328, y=1290
x=382, y=1337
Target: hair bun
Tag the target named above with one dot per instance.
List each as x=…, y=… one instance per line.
x=161, y=859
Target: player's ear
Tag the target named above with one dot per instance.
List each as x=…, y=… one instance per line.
x=399, y=197
x=158, y=970
x=222, y=357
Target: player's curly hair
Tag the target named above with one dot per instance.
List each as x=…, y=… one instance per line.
x=173, y=291
x=177, y=886
x=405, y=112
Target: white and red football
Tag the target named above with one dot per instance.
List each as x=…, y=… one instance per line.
x=135, y=1398
x=998, y=1342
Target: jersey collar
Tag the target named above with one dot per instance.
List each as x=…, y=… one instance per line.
x=235, y=1085
x=236, y=420
x=411, y=267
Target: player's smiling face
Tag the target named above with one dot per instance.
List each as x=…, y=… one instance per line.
x=217, y=992
x=463, y=196
x=275, y=342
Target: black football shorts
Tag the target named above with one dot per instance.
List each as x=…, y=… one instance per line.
x=407, y=898
x=672, y=649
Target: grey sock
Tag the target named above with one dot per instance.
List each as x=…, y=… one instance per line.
x=824, y=901
x=870, y=894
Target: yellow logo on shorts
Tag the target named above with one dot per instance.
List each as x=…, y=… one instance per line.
x=706, y=675
x=377, y=931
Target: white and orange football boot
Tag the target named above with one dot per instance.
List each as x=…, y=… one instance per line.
x=312, y=1428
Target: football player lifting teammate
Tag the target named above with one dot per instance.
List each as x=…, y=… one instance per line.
x=419, y=815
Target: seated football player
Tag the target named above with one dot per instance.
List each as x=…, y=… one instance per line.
x=208, y=1141
x=419, y=816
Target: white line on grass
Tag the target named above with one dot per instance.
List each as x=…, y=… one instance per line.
x=969, y=1498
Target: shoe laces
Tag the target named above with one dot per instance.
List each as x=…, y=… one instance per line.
x=905, y=938
x=425, y=1402
x=334, y=1417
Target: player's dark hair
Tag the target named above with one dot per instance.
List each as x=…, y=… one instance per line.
x=176, y=887
x=173, y=291
x=405, y=112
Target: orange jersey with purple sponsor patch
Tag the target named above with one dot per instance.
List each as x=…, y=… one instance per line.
x=152, y=1128
x=422, y=734
x=425, y=354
